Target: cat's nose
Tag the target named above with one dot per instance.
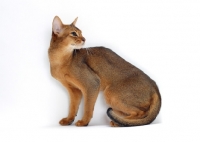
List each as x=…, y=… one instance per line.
x=83, y=39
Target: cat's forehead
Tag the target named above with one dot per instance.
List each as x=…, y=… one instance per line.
x=72, y=28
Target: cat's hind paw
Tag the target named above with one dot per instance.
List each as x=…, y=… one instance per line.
x=113, y=124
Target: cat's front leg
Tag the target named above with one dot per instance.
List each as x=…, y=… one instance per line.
x=89, y=102
x=90, y=95
x=75, y=99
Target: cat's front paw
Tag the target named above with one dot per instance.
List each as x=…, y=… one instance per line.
x=66, y=121
x=81, y=123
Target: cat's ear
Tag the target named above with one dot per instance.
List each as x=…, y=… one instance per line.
x=74, y=22
x=57, y=25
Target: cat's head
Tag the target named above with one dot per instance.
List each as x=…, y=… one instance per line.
x=68, y=36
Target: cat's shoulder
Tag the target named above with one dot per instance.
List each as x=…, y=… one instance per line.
x=100, y=49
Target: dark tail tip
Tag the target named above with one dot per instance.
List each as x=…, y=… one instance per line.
x=108, y=112
x=115, y=120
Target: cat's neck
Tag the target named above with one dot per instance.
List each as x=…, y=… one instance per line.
x=60, y=56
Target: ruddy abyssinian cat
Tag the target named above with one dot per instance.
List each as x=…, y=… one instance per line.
x=133, y=97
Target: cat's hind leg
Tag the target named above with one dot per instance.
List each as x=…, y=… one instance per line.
x=121, y=110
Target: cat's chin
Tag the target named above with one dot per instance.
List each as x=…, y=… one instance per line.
x=76, y=46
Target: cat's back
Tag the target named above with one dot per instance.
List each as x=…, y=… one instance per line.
x=109, y=66
x=97, y=54
x=105, y=55
x=106, y=62
x=102, y=59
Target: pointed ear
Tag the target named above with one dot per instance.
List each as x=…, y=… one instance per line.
x=57, y=25
x=74, y=22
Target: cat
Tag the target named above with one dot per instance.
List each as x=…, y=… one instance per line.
x=132, y=96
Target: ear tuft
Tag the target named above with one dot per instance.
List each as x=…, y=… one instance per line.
x=57, y=25
x=74, y=22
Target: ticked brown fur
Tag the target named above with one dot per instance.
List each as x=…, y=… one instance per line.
x=133, y=97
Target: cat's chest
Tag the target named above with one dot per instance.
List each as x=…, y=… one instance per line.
x=58, y=66
x=59, y=72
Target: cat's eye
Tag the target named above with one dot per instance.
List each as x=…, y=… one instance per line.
x=74, y=33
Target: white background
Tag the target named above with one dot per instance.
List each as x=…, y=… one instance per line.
x=160, y=37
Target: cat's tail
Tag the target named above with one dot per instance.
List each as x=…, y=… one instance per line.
x=152, y=113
